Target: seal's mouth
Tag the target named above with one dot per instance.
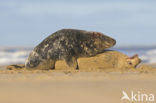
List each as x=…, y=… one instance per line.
x=113, y=41
x=139, y=61
x=109, y=43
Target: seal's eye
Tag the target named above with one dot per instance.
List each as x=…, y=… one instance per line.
x=130, y=63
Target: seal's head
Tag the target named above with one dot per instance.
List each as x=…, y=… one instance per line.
x=32, y=61
x=133, y=61
x=102, y=41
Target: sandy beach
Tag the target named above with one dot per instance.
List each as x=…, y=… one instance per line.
x=74, y=86
x=78, y=51
x=96, y=81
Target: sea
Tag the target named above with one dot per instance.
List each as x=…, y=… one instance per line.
x=18, y=55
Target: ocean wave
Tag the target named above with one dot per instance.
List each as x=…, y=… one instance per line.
x=15, y=57
x=18, y=56
x=149, y=56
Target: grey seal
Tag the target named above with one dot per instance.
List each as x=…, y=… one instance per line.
x=68, y=45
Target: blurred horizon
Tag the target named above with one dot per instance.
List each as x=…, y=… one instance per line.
x=27, y=23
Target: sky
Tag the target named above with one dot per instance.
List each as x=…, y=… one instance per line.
x=28, y=22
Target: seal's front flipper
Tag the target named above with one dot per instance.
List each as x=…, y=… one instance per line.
x=51, y=64
x=72, y=62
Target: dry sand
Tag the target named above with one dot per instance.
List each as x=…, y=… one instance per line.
x=90, y=84
x=71, y=86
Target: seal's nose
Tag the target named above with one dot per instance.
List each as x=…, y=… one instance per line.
x=140, y=60
x=114, y=41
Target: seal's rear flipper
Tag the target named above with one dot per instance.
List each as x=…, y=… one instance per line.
x=72, y=62
x=15, y=67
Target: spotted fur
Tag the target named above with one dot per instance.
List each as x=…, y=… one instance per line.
x=68, y=45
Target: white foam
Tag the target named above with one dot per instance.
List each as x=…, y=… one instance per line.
x=149, y=56
x=16, y=56
x=7, y=57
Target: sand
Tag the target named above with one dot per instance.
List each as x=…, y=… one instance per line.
x=91, y=84
x=74, y=86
